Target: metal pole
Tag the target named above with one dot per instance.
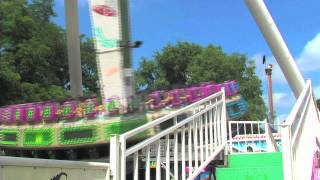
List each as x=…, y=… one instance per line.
x=277, y=45
x=126, y=52
x=73, y=42
x=126, y=32
x=115, y=157
x=270, y=93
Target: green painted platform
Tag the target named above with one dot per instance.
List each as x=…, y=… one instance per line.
x=255, y=166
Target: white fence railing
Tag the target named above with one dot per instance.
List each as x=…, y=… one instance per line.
x=196, y=136
x=299, y=135
x=15, y=168
x=252, y=136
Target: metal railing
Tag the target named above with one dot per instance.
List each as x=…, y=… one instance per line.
x=252, y=136
x=196, y=136
x=299, y=136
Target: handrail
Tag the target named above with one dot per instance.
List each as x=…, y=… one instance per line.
x=296, y=107
x=271, y=143
x=299, y=136
x=299, y=124
x=255, y=134
x=168, y=117
x=192, y=142
x=167, y=131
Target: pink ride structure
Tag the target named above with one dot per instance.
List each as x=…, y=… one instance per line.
x=46, y=128
x=70, y=110
x=178, y=97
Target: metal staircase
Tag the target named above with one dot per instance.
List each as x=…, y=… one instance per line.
x=196, y=136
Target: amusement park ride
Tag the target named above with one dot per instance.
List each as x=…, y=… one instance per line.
x=173, y=134
x=79, y=128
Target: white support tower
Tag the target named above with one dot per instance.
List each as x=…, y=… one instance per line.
x=73, y=43
x=110, y=26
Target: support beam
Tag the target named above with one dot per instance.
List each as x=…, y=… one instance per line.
x=73, y=42
x=277, y=45
x=126, y=32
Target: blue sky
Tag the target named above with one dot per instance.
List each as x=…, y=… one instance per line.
x=229, y=24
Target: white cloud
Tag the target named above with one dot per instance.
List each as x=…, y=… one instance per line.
x=309, y=59
x=283, y=100
x=279, y=96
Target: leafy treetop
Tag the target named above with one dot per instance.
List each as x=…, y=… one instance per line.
x=33, y=54
x=184, y=64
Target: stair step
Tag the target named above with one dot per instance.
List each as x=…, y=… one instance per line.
x=250, y=173
x=253, y=166
x=255, y=160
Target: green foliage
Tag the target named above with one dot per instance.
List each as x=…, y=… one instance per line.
x=33, y=54
x=184, y=64
x=89, y=66
x=147, y=75
x=168, y=68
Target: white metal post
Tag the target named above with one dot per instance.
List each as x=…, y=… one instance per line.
x=147, y=173
x=277, y=45
x=115, y=157
x=190, y=148
x=136, y=166
x=106, y=178
x=183, y=151
x=224, y=120
x=167, y=157
x=211, y=131
x=158, y=163
x=287, y=152
x=207, y=145
x=215, y=128
x=195, y=143
x=123, y=158
x=271, y=143
x=201, y=139
x=176, y=158
x=230, y=139
x=73, y=43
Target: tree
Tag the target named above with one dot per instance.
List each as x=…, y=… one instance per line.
x=185, y=64
x=147, y=75
x=168, y=69
x=318, y=103
x=89, y=66
x=33, y=54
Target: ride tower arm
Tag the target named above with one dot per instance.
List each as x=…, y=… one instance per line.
x=277, y=44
